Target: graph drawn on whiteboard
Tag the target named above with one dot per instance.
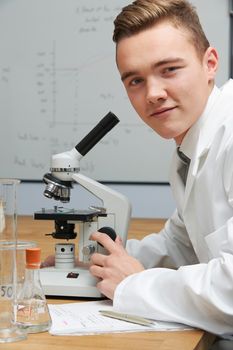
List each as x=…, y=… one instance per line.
x=58, y=78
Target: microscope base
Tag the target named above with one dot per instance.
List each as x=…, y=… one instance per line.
x=75, y=282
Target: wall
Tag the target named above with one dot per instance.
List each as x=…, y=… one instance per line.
x=148, y=201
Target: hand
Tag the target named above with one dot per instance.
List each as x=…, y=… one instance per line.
x=112, y=268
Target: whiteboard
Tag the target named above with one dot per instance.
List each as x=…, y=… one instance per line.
x=58, y=79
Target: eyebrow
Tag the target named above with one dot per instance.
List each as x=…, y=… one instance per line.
x=129, y=74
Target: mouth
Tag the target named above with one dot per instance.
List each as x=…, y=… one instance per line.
x=162, y=112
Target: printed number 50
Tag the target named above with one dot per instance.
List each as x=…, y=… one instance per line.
x=6, y=291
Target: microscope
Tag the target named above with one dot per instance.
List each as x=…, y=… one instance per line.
x=112, y=217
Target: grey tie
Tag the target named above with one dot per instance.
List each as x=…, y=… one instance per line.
x=184, y=167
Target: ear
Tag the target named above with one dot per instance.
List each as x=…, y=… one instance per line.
x=211, y=62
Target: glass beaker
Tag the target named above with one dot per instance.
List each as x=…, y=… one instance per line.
x=9, y=331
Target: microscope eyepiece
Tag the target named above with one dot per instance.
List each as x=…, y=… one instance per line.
x=57, y=189
x=97, y=133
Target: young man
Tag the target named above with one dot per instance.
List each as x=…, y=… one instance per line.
x=184, y=273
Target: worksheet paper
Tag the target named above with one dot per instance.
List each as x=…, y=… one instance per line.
x=84, y=318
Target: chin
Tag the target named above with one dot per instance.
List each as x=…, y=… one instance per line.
x=166, y=135
x=169, y=134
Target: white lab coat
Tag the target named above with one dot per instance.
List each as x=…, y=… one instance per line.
x=189, y=264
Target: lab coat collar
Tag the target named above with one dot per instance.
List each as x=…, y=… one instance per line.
x=214, y=118
x=198, y=139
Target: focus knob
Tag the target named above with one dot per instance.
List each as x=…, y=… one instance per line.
x=108, y=231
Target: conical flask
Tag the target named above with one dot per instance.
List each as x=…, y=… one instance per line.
x=32, y=309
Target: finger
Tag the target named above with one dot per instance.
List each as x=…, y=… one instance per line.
x=106, y=241
x=106, y=288
x=119, y=241
x=96, y=271
x=98, y=259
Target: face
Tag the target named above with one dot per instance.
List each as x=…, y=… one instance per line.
x=166, y=81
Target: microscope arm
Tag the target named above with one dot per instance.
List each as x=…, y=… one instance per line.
x=114, y=203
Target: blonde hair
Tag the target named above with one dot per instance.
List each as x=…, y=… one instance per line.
x=143, y=14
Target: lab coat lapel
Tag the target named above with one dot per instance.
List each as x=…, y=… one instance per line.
x=204, y=139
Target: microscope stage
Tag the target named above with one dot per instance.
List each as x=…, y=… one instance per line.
x=61, y=213
x=75, y=282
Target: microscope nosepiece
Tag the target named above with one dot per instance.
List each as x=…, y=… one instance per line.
x=57, y=189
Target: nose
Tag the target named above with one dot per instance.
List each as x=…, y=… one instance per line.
x=155, y=92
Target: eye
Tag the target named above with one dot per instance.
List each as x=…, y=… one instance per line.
x=135, y=81
x=169, y=70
